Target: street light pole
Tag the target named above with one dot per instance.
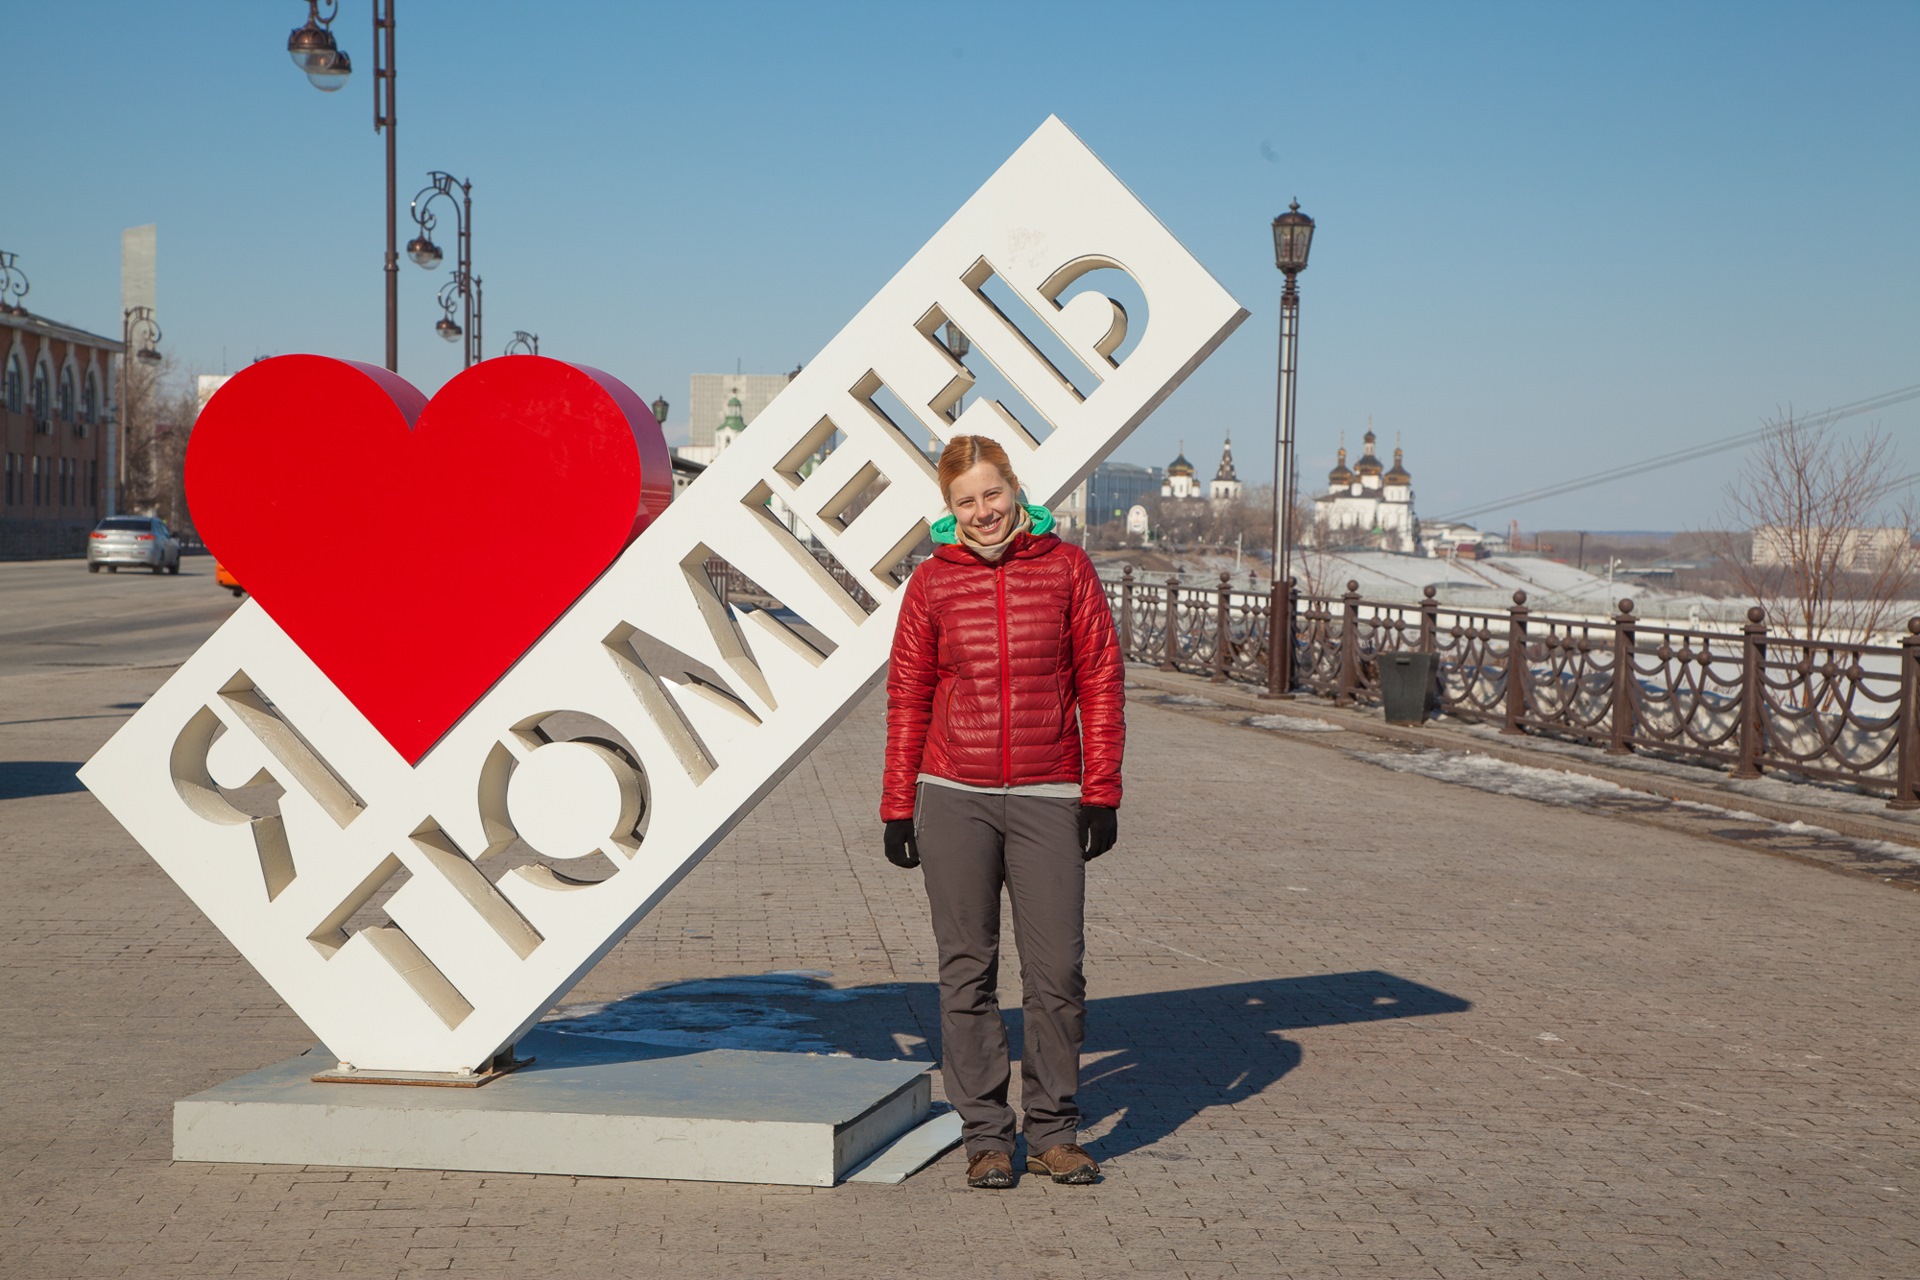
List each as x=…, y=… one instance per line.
x=523, y=344
x=314, y=50
x=464, y=285
x=383, y=122
x=136, y=323
x=1292, y=237
x=958, y=347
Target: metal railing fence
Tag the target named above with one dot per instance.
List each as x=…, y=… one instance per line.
x=1755, y=701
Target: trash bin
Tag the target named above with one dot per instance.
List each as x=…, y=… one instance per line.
x=1406, y=686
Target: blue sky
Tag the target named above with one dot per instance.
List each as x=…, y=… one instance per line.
x=1552, y=238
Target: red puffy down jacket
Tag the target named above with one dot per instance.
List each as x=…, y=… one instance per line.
x=991, y=662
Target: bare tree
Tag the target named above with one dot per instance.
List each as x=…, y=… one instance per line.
x=1828, y=555
x=159, y=413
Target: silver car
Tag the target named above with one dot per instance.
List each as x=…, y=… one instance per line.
x=139, y=542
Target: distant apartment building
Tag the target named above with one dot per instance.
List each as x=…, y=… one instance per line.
x=1115, y=488
x=1106, y=495
x=1848, y=550
x=56, y=420
x=707, y=405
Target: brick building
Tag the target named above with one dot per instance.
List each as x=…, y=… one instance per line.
x=56, y=420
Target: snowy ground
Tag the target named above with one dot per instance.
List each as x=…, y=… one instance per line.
x=1779, y=788
x=1551, y=587
x=1293, y=724
x=1574, y=790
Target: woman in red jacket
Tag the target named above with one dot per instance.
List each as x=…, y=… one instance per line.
x=1005, y=725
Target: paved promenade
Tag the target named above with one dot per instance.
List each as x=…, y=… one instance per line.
x=1346, y=1020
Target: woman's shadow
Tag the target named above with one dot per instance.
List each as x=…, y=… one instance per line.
x=1153, y=1061
x=1158, y=1060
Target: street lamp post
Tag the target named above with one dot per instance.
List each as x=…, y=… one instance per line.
x=137, y=325
x=327, y=67
x=523, y=344
x=659, y=407
x=464, y=285
x=957, y=347
x=1292, y=236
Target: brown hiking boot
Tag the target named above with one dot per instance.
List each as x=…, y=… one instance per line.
x=990, y=1170
x=1065, y=1162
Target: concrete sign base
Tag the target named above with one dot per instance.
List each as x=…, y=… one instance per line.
x=589, y=1107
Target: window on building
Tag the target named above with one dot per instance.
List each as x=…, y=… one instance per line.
x=42, y=391
x=15, y=392
x=66, y=395
x=9, y=480
x=36, y=482
x=90, y=398
x=93, y=483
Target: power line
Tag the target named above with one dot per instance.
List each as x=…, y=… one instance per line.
x=1692, y=453
x=1899, y=483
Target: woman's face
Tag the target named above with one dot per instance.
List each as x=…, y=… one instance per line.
x=982, y=502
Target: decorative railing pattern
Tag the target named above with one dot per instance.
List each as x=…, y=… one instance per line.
x=731, y=584
x=1755, y=700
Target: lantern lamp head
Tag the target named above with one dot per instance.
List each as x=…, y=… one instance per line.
x=1292, y=237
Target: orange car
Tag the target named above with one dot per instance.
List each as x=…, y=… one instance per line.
x=224, y=576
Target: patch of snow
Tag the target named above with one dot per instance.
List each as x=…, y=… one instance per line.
x=1783, y=788
x=1885, y=848
x=1569, y=790
x=1485, y=773
x=1294, y=724
x=1186, y=700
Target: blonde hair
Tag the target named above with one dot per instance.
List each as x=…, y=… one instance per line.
x=964, y=453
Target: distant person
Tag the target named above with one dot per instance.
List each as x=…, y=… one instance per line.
x=1005, y=727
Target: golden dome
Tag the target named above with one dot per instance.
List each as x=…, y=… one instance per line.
x=1368, y=464
x=1340, y=475
x=1399, y=473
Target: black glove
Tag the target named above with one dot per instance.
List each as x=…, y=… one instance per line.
x=1099, y=828
x=902, y=849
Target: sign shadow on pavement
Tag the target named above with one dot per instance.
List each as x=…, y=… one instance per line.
x=1156, y=1060
x=20, y=779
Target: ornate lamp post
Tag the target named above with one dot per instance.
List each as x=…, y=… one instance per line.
x=327, y=67
x=13, y=284
x=1292, y=237
x=464, y=286
x=523, y=344
x=140, y=335
x=659, y=407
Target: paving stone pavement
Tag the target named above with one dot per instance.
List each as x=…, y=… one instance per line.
x=1344, y=1021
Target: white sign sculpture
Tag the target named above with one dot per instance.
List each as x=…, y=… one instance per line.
x=708, y=705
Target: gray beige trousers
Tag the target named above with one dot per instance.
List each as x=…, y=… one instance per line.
x=970, y=844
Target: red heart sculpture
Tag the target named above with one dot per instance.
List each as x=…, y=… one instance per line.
x=414, y=549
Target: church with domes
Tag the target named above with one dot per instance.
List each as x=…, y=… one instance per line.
x=1367, y=505
x=1182, y=481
